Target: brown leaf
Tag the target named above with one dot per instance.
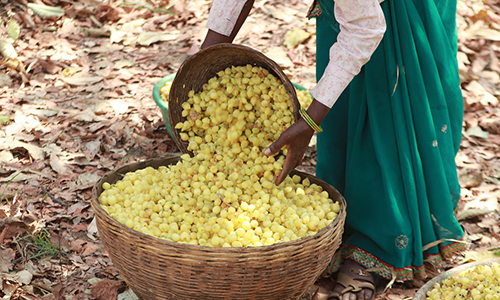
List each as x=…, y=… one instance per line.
x=107, y=289
x=107, y=13
x=470, y=179
x=79, y=227
x=82, y=80
x=77, y=245
x=11, y=227
x=57, y=165
x=492, y=125
x=90, y=248
x=6, y=258
x=49, y=66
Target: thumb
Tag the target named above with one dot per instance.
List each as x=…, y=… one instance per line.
x=276, y=146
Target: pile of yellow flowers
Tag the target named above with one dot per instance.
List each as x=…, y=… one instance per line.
x=481, y=282
x=224, y=196
x=303, y=95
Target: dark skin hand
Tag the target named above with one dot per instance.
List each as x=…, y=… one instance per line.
x=297, y=138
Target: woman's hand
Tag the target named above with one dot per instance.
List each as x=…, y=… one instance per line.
x=296, y=138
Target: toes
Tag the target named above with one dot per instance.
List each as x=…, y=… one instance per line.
x=366, y=295
x=349, y=296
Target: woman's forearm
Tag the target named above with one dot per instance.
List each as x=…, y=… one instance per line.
x=216, y=36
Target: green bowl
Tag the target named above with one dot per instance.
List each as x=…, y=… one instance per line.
x=164, y=106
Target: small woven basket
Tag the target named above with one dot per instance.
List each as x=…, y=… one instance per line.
x=160, y=269
x=199, y=68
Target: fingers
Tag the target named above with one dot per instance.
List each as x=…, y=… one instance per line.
x=277, y=145
x=299, y=161
x=291, y=161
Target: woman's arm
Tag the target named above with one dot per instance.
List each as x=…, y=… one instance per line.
x=225, y=20
x=362, y=27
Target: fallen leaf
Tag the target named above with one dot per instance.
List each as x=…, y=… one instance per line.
x=477, y=255
x=295, y=37
x=148, y=38
x=6, y=258
x=92, y=229
x=93, y=147
x=483, y=96
x=87, y=179
x=107, y=289
x=280, y=57
x=57, y=165
x=122, y=64
x=83, y=80
x=77, y=245
x=469, y=178
x=5, y=80
x=482, y=33
x=128, y=295
x=90, y=248
x=119, y=106
x=7, y=50
x=46, y=11
x=491, y=125
x=9, y=286
x=476, y=131
x=88, y=115
x=6, y=156
x=472, y=213
x=16, y=177
x=49, y=66
x=23, y=277
x=43, y=112
x=79, y=227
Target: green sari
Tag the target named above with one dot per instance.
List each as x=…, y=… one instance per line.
x=389, y=142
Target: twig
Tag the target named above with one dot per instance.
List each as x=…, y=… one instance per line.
x=53, y=198
x=95, y=21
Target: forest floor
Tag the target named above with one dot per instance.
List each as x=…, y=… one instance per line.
x=76, y=102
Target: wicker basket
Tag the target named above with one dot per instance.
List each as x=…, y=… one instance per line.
x=160, y=269
x=422, y=292
x=199, y=68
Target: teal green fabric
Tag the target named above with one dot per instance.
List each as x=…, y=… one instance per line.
x=389, y=142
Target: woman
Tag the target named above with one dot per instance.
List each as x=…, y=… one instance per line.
x=389, y=102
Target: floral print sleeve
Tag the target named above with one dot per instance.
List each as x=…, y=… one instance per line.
x=362, y=26
x=224, y=14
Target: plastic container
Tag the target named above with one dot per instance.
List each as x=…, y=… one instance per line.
x=162, y=104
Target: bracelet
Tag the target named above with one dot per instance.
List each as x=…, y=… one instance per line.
x=310, y=121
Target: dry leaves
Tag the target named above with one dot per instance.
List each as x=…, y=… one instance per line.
x=76, y=103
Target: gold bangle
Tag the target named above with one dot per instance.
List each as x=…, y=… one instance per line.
x=310, y=121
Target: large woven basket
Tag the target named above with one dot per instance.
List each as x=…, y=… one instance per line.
x=160, y=269
x=199, y=68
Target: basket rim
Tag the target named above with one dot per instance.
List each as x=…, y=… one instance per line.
x=100, y=212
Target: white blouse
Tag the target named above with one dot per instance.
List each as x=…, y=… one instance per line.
x=362, y=26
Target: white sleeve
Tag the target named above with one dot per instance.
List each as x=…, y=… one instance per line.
x=362, y=26
x=224, y=14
